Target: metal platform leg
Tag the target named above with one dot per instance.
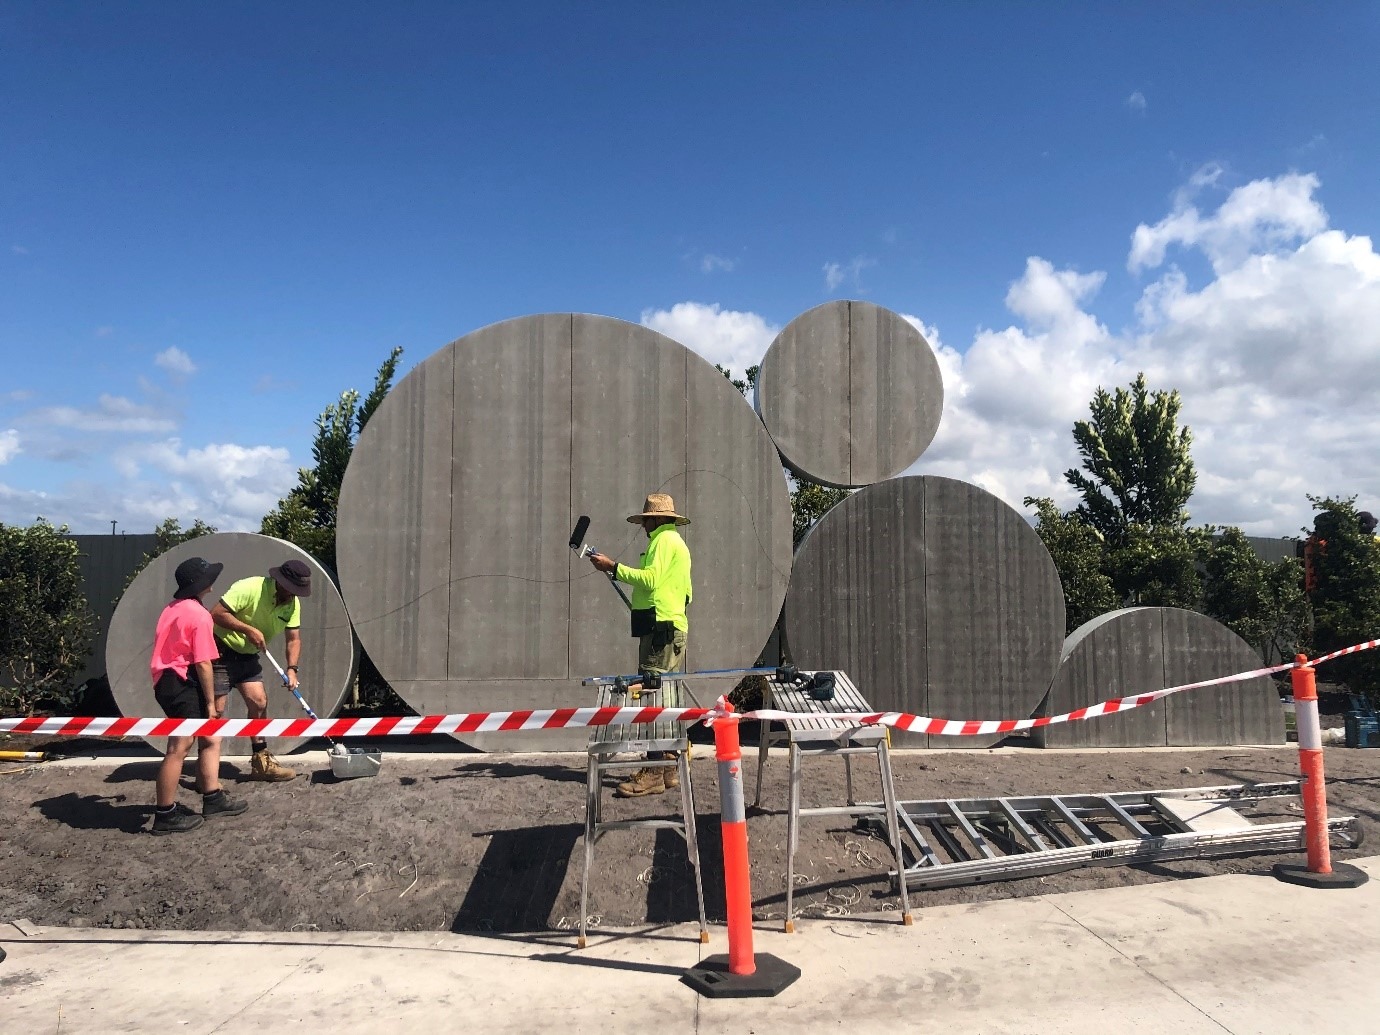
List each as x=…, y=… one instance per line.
x=792, y=833
x=893, y=826
x=692, y=841
x=592, y=796
x=848, y=779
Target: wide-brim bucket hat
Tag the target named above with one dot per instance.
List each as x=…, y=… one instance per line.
x=293, y=576
x=659, y=505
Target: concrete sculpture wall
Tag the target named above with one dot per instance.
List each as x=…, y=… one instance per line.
x=458, y=503
x=328, y=657
x=1141, y=649
x=851, y=394
x=937, y=597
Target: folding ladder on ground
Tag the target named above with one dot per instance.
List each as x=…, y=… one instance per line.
x=816, y=733
x=953, y=842
x=632, y=741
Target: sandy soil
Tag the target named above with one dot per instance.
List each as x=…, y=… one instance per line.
x=491, y=842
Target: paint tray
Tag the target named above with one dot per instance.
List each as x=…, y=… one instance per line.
x=350, y=763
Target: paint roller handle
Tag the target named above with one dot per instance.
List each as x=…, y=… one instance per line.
x=283, y=676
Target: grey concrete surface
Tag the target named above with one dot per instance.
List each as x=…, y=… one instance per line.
x=1139, y=650
x=328, y=657
x=935, y=596
x=459, y=499
x=851, y=393
x=1240, y=955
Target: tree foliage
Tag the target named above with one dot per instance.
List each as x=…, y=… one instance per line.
x=1139, y=466
x=46, y=628
x=1346, y=597
x=306, y=516
x=168, y=534
x=1080, y=556
x=1262, y=603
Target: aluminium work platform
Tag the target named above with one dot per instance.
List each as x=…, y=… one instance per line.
x=953, y=842
x=615, y=749
x=817, y=732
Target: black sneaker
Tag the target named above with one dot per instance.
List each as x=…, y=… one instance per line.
x=177, y=820
x=218, y=803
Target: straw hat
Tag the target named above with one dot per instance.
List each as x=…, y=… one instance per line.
x=659, y=505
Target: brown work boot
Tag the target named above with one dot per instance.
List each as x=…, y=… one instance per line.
x=265, y=767
x=671, y=777
x=644, y=781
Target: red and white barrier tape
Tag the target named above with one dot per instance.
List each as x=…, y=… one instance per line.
x=573, y=718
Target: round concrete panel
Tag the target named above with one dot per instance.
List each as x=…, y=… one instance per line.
x=458, y=504
x=935, y=596
x=1142, y=649
x=851, y=393
x=327, y=664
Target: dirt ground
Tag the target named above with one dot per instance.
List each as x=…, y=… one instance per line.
x=495, y=843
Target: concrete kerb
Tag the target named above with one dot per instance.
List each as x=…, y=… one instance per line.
x=1186, y=955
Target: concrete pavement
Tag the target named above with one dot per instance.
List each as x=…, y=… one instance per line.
x=1239, y=954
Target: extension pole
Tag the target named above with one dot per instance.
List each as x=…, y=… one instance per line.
x=741, y=973
x=1319, y=872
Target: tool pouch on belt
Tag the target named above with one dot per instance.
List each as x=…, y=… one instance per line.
x=643, y=622
x=663, y=633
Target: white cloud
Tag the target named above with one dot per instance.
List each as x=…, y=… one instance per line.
x=838, y=274
x=1260, y=217
x=714, y=263
x=20, y=395
x=1136, y=102
x=731, y=339
x=9, y=445
x=19, y=249
x=113, y=413
x=175, y=361
x=1277, y=358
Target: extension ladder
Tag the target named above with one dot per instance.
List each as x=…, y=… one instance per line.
x=952, y=842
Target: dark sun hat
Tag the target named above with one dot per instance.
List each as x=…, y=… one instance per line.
x=194, y=576
x=294, y=577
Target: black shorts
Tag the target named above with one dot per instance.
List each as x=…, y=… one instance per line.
x=233, y=668
x=180, y=698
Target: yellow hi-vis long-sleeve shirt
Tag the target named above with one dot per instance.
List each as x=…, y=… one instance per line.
x=663, y=580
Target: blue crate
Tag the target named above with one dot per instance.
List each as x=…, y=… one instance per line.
x=1362, y=730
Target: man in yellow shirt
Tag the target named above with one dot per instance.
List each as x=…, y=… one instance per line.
x=661, y=595
x=249, y=614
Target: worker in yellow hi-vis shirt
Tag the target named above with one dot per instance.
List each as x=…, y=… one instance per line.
x=661, y=595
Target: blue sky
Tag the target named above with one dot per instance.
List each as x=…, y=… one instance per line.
x=214, y=218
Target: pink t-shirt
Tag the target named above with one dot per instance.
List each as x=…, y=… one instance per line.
x=185, y=636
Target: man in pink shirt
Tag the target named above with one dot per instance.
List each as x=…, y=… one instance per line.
x=184, y=645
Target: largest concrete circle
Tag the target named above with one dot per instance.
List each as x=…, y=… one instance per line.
x=457, y=508
x=851, y=393
x=328, y=645
x=936, y=597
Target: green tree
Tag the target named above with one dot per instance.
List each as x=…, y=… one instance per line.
x=1139, y=467
x=1160, y=566
x=306, y=516
x=1346, y=597
x=168, y=534
x=46, y=627
x=1262, y=603
x=1080, y=557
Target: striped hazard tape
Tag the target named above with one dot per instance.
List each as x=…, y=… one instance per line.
x=573, y=718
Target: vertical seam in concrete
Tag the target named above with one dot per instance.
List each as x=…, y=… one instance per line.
x=450, y=496
x=849, y=352
x=570, y=512
x=925, y=596
x=1164, y=672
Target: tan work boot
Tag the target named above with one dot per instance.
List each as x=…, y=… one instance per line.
x=644, y=781
x=671, y=777
x=265, y=767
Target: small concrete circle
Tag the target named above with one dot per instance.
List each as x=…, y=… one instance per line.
x=456, y=512
x=851, y=394
x=936, y=597
x=1139, y=650
x=329, y=653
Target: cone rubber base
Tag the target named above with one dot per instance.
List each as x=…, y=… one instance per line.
x=1343, y=875
x=711, y=978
